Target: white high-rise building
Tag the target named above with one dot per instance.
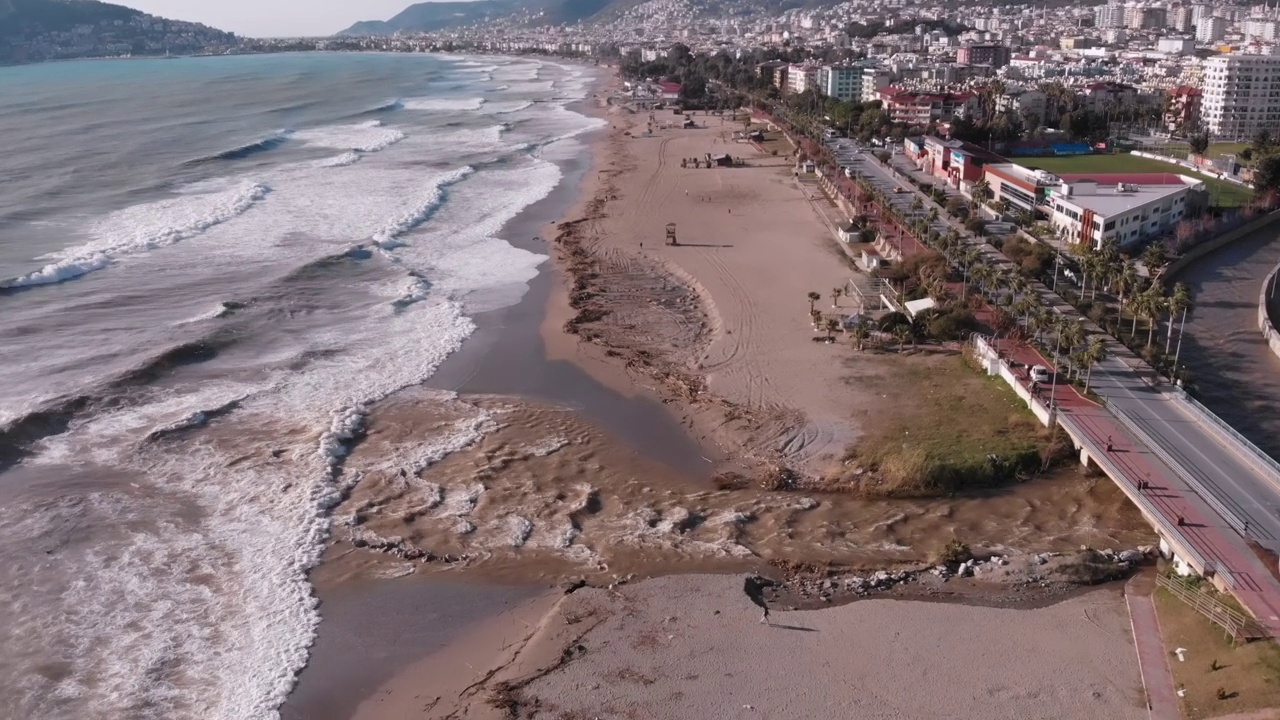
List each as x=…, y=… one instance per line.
x=1211, y=28
x=1241, y=95
x=1261, y=29
x=1111, y=15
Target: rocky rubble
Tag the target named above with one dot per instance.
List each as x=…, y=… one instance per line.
x=990, y=574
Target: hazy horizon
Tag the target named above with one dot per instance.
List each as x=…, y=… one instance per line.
x=274, y=18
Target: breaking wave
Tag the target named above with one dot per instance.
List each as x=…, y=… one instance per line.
x=366, y=137
x=386, y=236
x=445, y=104
x=143, y=228
x=266, y=144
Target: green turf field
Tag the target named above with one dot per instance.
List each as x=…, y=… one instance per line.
x=1221, y=193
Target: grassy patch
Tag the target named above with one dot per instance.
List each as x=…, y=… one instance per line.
x=1221, y=193
x=1249, y=674
x=948, y=429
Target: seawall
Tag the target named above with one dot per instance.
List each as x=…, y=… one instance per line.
x=1222, y=240
x=1269, y=310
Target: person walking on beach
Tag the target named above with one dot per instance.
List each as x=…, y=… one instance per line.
x=754, y=586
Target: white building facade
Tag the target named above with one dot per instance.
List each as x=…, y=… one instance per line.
x=1084, y=211
x=1241, y=95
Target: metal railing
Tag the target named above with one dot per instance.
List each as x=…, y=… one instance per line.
x=1163, y=526
x=1246, y=450
x=1237, y=624
x=1233, y=519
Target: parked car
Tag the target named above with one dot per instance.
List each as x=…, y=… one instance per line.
x=1040, y=374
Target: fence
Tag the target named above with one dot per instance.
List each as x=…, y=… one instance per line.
x=1233, y=519
x=1236, y=624
x=1163, y=526
x=1246, y=450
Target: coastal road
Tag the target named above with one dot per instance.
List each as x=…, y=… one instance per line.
x=1229, y=494
x=1231, y=482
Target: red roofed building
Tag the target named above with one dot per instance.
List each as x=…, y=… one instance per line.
x=1183, y=109
x=918, y=108
x=669, y=90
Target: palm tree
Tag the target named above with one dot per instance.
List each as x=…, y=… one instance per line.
x=835, y=296
x=1070, y=334
x=1155, y=257
x=1094, y=353
x=981, y=192
x=902, y=333
x=1148, y=305
x=860, y=333
x=816, y=317
x=832, y=326
x=916, y=204
x=1041, y=319
x=932, y=215
x=1178, y=304
x=813, y=299
x=1125, y=282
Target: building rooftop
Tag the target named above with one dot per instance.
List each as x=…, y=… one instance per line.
x=1030, y=176
x=1115, y=197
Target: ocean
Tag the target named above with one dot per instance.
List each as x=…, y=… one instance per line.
x=209, y=269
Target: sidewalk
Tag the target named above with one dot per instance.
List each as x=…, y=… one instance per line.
x=1153, y=661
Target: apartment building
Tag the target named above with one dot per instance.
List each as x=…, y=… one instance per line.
x=842, y=82
x=874, y=78
x=801, y=78
x=1183, y=111
x=1211, y=29
x=997, y=56
x=920, y=108
x=1241, y=95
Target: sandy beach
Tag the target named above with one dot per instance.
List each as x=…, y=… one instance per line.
x=593, y=446
x=752, y=248
x=692, y=646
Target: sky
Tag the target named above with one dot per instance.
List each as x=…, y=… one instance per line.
x=273, y=18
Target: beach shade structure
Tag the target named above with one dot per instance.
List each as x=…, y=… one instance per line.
x=671, y=234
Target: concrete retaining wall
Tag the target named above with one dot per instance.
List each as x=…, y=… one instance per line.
x=995, y=365
x=1221, y=241
x=1269, y=300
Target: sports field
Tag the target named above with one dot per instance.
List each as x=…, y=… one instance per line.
x=1221, y=193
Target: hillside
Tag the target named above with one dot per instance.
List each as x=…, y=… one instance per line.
x=35, y=30
x=433, y=16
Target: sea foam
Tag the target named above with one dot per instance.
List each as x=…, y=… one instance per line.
x=142, y=228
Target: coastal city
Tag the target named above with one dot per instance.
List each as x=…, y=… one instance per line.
x=520, y=359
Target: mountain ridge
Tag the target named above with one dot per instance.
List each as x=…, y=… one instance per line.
x=36, y=30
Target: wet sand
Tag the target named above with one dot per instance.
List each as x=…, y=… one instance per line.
x=584, y=468
x=692, y=647
x=372, y=627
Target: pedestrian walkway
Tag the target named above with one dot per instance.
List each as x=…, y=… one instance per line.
x=1153, y=660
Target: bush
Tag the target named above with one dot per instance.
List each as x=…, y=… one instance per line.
x=976, y=225
x=955, y=553
x=893, y=320
x=1034, y=259
x=950, y=324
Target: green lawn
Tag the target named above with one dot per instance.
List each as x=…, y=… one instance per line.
x=1221, y=193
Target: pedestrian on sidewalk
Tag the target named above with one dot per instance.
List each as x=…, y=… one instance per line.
x=1181, y=521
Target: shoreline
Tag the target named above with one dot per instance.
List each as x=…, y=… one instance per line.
x=614, y=398
x=504, y=355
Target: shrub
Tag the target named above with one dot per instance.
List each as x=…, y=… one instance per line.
x=955, y=553
x=893, y=320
